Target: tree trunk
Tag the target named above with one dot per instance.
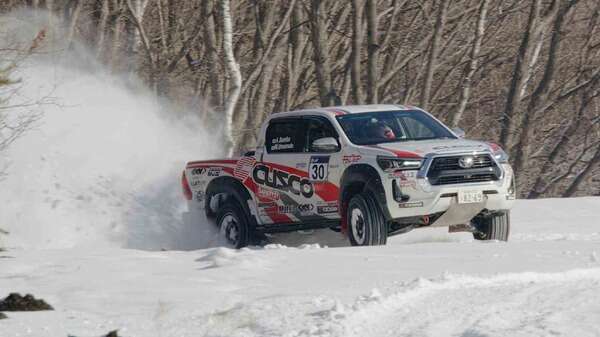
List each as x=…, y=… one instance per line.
x=356, y=52
x=541, y=93
x=509, y=119
x=320, y=49
x=233, y=70
x=434, y=46
x=373, y=51
x=211, y=54
x=472, y=67
x=582, y=176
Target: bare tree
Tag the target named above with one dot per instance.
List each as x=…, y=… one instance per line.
x=320, y=48
x=432, y=57
x=522, y=72
x=542, y=91
x=356, y=51
x=235, y=75
x=372, y=51
x=16, y=115
x=472, y=66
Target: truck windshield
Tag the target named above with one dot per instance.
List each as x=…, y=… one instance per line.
x=391, y=126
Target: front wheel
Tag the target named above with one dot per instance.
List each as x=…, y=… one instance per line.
x=492, y=227
x=366, y=224
x=233, y=225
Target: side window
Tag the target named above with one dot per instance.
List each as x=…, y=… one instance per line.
x=317, y=128
x=285, y=136
x=417, y=129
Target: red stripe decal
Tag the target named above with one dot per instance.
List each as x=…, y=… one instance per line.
x=274, y=214
x=338, y=112
x=278, y=217
x=326, y=191
x=400, y=153
x=211, y=162
x=495, y=147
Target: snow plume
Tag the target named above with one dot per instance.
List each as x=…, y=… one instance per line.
x=103, y=165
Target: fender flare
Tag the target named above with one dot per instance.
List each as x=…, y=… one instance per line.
x=232, y=189
x=359, y=178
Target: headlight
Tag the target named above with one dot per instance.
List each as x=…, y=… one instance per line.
x=499, y=154
x=393, y=164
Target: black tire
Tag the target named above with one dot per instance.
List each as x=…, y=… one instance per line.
x=492, y=227
x=210, y=215
x=233, y=224
x=366, y=224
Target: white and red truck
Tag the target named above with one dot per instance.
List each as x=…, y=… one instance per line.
x=368, y=171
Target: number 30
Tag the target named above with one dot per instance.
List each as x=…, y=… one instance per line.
x=318, y=172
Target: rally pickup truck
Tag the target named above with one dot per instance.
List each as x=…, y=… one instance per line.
x=368, y=171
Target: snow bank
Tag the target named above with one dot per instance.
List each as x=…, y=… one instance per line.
x=407, y=288
x=103, y=166
x=511, y=304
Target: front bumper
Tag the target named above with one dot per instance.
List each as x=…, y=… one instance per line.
x=425, y=199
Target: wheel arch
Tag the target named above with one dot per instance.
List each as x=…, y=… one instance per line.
x=226, y=189
x=359, y=178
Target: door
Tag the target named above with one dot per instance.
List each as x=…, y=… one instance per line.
x=293, y=179
x=324, y=168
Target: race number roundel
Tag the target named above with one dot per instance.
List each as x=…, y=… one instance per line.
x=318, y=168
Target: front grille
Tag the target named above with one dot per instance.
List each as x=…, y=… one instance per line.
x=451, y=163
x=446, y=170
x=465, y=179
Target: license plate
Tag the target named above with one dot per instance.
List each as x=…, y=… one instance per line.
x=470, y=197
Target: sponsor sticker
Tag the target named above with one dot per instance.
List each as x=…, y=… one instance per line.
x=197, y=183
x=283, y=181
x=243, y=168
x=405, y=179
x=214, y=171
x=286, y=209
x=198, y=171
x=403, y=175
x=327, y=209
x=349, y=159
x=282, y=143
x=408, y=184
x=264, y=193
x=305, y=208
x=411, y=204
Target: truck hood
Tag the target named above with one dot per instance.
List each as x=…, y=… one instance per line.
x=435, y=146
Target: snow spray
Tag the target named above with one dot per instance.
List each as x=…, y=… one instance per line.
x=102, y=166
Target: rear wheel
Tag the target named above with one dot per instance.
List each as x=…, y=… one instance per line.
x=366, y=223
x=492, y=227
x=233, y=224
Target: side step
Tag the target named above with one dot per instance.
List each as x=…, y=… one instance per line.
x=292, y=227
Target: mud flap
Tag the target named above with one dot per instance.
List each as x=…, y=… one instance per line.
x=459, y=214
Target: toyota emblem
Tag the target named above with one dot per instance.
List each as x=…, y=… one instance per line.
x=466, y=162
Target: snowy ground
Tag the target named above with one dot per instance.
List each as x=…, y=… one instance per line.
x=545, y=281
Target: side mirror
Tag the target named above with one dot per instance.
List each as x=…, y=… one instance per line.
x=459, y=132
x=327, y=144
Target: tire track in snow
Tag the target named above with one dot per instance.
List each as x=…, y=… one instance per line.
x=459, y=305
